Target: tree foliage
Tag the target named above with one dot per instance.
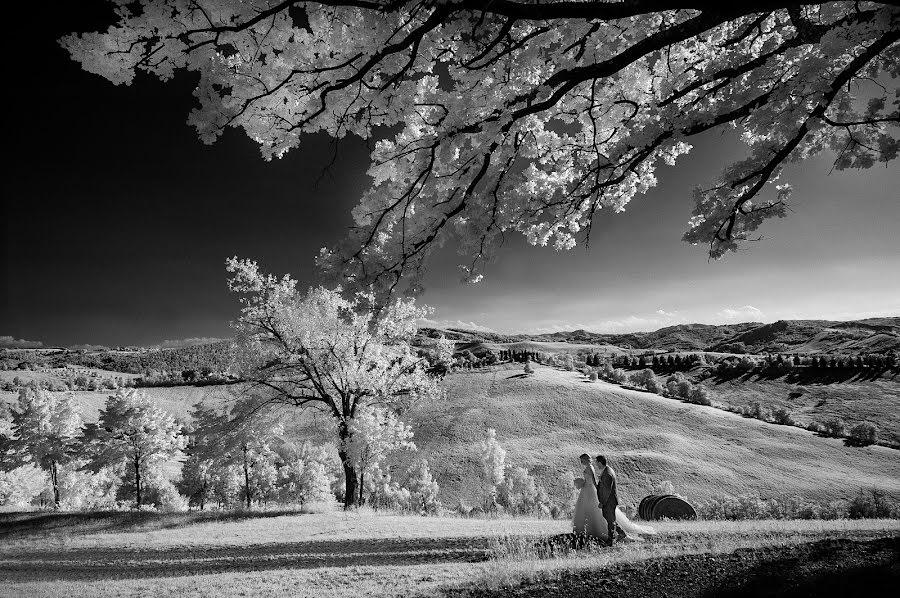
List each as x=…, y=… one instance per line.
x=136, y=437
x=524, y=116
x=47, y=426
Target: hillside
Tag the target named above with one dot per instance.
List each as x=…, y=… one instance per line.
x=545, y=421
x=874, y=335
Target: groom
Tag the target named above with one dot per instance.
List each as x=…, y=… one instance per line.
x=609, y=499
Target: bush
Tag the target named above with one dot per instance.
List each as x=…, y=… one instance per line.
x=751, y=506
x=700, y=396
x=755, y=410
x=642, y=377
x=782, y=416
x=873, y=505
x=593, y=376
x=814, y=427
x=864, y=433
x=834, y=427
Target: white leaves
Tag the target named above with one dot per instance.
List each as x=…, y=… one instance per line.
x=559, y=137
x=493, y=459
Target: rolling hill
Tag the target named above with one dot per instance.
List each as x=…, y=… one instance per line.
x=546, y=420
x=874, y=335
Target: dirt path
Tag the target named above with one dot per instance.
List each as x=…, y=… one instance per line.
x=86, y=564
x=833, y=567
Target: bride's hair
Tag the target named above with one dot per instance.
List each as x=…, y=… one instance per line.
x=584, y=456
x=601, y=460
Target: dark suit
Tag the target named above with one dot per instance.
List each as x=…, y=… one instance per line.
x=609, y=499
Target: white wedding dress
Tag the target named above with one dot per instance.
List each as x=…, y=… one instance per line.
x=589, y=520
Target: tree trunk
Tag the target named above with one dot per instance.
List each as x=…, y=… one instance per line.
x=246, y=478
x=137, y=482
x=351, y=491
x=54, y=479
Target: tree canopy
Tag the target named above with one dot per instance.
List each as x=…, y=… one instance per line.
x=516, y=115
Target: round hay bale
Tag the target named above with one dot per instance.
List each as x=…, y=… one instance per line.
x=645, y=509
x=673, y=507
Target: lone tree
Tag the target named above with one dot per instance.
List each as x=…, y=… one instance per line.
x=324, y=352
x=516, y=115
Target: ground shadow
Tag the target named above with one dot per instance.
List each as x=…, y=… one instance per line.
x=837, y=567
x=91, y=564
x=15, y=525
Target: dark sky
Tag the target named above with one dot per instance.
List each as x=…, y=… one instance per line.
x=118, y=222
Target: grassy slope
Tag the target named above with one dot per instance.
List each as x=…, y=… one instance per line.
x=853, y=401
x=547, y=420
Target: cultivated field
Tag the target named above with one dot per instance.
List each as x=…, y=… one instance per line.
x=338, y=554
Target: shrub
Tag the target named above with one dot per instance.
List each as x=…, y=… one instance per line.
x=642, y=377
x=871, y=506
x=814, y=427
x=700, y=396
x=781, y=415
x=593, y=376
x=755, y=410
x=528, y=368
x=864, y=433
x=834, y=427
x=751, y=506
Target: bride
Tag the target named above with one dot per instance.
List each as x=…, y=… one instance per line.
x=588, y=519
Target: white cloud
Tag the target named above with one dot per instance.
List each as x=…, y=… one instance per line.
x=744, y=313
x=428, y=323
x=12, y=343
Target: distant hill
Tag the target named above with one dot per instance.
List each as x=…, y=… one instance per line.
x=873, y=335
x=214, y=356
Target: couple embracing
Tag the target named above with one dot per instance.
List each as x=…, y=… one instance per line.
x=597, y=514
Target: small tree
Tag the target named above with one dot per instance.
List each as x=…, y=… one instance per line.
x=493, y=461
x=834, y=427
x=375, y=433
x=864, y=433
x=782, y=416
x=699, y=395
x=306, y=475
x=47, y=427
x=135, y=434
x=423, y=489
x=642, y=377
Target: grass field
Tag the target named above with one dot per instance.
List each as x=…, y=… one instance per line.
x=809, y=399
x=546, y=420
x=338, y=554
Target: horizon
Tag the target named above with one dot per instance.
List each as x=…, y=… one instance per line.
x=9, y=342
